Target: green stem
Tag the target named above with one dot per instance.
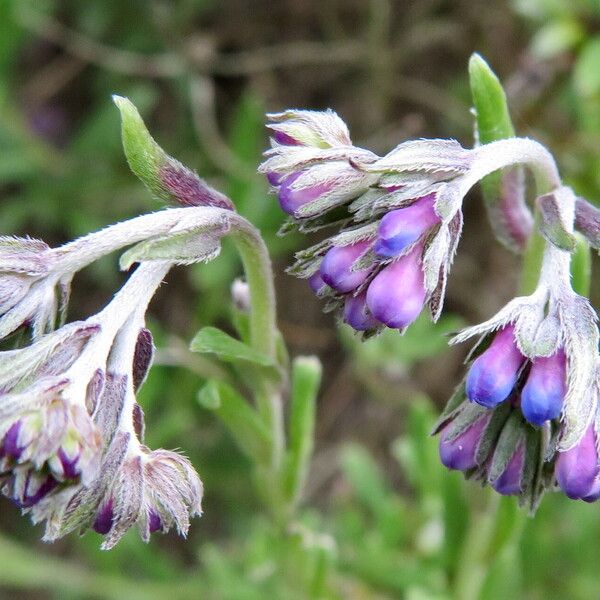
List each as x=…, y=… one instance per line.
x=532, y=259
x=263, y=331
x=490, y=534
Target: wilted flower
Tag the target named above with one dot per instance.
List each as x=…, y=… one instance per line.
x=156, y=490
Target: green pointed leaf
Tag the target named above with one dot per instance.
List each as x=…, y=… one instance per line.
x=182, y=249
x=306, y=377
x=503, y=192
x=165, y=177
x=214, y=341
x=242, y=420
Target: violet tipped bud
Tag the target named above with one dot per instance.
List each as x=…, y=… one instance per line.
x=309, y=128
x=460, y=452
x=357, y=314
x=493, y=375
x=510, y=481
x=321, y=186
x=544, y=392
x=578, y=468
x=396, y=295
x=401, y=227
x=316, y=283
x=337, y=267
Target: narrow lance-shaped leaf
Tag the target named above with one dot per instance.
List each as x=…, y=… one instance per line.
x=243, y=422
x=306, y=377
x=503, y=192
x=214, y=341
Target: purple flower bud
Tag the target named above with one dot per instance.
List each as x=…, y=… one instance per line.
x=37, y=486
x=509, y=482
x=577, y=468
x=10, y=447
x=316, y=282
x=292, y=199
x=543, y=394
x=397, y=294
x=285, y=139
x=336, y=268
x=493, y=375
x=460, y=453
x=357, y=315
x=104, y=518
x=154, y=521
x=68, y=463
x=274, y=179
x=400, y=228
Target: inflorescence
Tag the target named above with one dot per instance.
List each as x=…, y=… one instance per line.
x=526, y=415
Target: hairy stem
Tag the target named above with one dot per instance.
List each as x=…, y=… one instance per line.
x=263, y=325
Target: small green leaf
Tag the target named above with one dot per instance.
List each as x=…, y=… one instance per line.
x=227, y=348
x=306, y=377
x=493, y=117
x=503, y=192
x=243, y=422
x=183, y=249
x=144, y=155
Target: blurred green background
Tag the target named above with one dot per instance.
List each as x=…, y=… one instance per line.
x=380, y=517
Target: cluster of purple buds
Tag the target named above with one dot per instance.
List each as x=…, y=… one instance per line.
x=399, y=216
x=537, y=362
x=496, y=447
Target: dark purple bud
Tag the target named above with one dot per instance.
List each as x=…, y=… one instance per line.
x=404, y=226
x=493, y=375
x=154, y=521
x=69, y=464
x=10, y=447
x=357, y=314
x=285, y=139
x=139, y=423
x=336, y=268
x=509, y=482
x=543, y=394
x=316, y=283
x=36, y=489
x=292, y=199
x=577, y=468
x=275, y=179
x=460, y=453
x=104, y=518
x=397, y=294
x=142, y=357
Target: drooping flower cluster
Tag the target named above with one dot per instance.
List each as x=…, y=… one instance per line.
x=526, y=414
x=71, y=431
x=400, y=215
x=72, y=450
x=526, y=409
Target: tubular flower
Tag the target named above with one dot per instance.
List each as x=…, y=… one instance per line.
x=400, y=215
